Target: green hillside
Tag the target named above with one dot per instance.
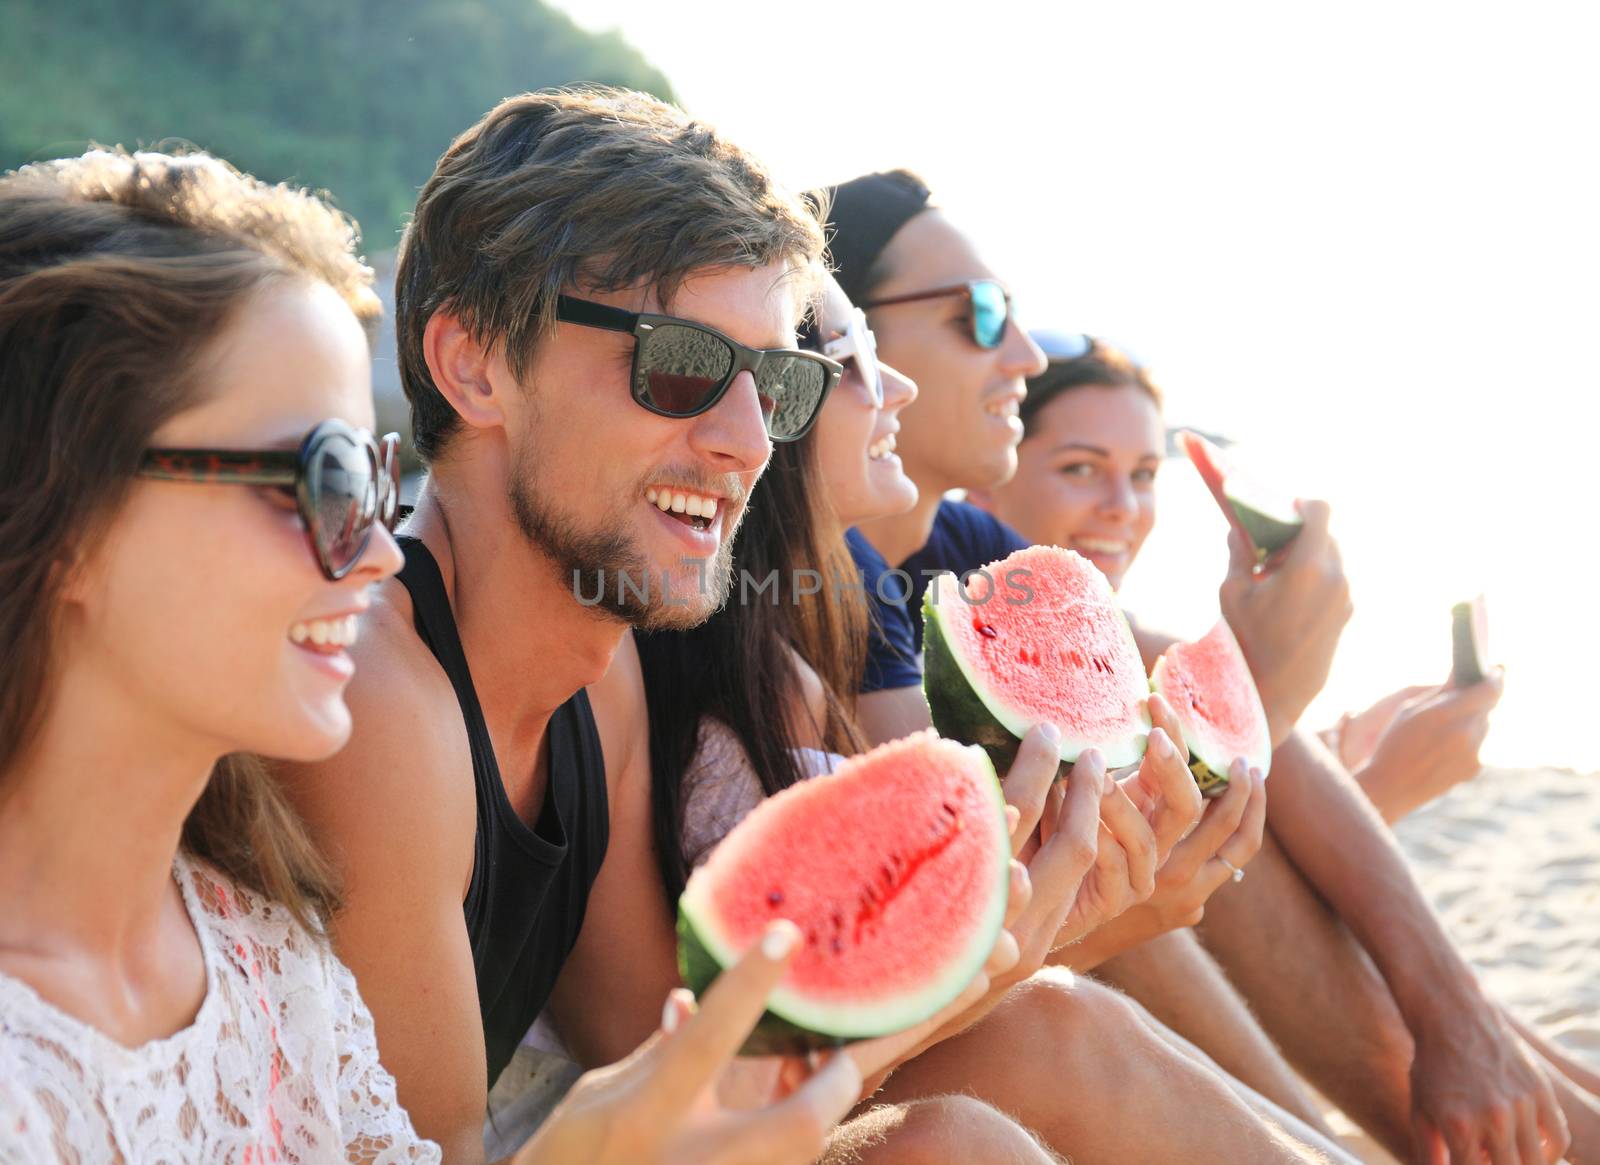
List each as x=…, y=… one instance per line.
x=355, y=96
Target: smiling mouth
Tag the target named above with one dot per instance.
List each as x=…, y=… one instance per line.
x=1006, y=407
x=878, y=450
x=693, y=509
x=324, y=635
x=1105, y=546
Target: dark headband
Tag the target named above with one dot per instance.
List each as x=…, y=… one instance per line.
x=867, y=212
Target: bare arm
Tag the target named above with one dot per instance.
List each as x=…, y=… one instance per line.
x=395, y=811
x=625, y=958
x=893, y=713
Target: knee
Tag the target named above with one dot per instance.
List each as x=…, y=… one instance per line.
x=942, y=1129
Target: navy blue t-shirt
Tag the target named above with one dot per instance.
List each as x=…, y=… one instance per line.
x=964, y=538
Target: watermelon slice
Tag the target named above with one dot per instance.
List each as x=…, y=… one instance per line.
x=1214, y=698
x=1037, y=637
x=1268, y=522
x=1469, y=627
x=895, y=867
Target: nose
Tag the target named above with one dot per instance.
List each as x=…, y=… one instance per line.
x=732, y=436
x=1118, y=502
x=899, y=390
x=380, y=559
x=1019, y=355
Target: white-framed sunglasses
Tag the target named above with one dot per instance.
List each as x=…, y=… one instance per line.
x=858, y=344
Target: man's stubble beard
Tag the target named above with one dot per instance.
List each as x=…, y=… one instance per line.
x=594, y=561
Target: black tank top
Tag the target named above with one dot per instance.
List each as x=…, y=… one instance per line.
x=529, y=887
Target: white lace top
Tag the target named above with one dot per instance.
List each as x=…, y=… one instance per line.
x=280, y=1064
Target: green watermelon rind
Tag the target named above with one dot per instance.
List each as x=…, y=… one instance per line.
x=1467, y=665
x=792, y=1025
x=1269, y=531
x=1209, y=760
x=961, y=710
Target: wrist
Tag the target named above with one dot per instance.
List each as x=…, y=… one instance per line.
x=1440, y=1001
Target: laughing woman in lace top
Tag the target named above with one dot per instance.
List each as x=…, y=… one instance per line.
x=191, y=510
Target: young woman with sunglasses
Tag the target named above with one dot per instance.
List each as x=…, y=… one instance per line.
x=191, y=515
x=717, y=747
x=1331, y=886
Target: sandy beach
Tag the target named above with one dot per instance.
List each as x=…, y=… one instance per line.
x=1511, y=861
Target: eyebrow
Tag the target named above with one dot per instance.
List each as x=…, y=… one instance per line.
x=1072, y=446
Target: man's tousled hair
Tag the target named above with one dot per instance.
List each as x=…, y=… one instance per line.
x=593, y=188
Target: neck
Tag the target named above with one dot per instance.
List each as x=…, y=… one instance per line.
x=530, y=643
x=90, y=820
x=899, y=536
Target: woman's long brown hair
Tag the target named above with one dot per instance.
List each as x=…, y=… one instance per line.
x=116, y=271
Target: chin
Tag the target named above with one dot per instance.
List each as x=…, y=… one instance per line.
x=314, y=735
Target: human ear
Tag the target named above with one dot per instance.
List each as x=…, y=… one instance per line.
x=461, y=371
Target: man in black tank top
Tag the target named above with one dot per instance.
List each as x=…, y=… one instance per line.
x=587, y=469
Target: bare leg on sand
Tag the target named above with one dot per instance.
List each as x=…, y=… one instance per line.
x=1183, y=987
x=1086, y=1069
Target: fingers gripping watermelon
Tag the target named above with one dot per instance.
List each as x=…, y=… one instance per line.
x=1035, y=637
x=1214, y=698
x=895, y=867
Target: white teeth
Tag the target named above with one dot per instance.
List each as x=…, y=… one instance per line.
x=1103, y=545
x=338, y=632
x=882, y=448
x=690, y=505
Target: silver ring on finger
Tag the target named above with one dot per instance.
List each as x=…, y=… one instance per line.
x=1238, y=874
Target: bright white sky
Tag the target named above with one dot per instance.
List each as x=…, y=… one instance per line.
x=1364, y=237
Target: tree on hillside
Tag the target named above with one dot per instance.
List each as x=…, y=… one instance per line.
x=355, y=96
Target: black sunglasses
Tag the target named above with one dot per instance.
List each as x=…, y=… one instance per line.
x=342, y=480
x=682, y=369
x=988, y=303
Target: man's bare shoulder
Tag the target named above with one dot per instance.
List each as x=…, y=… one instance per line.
x=406, y=771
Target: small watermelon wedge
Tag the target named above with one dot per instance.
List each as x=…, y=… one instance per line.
x=896, y=869
x=1469, y=635
x=1037, y=636
x=1268, y=522
x=1208, y=685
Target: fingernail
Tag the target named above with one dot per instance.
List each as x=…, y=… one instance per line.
x=1050, y=732
x=1161, y=743
x=669, y=1016
x=779, y=941
x=1257, y=775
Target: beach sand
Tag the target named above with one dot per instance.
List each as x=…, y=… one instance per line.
x=1511, y=860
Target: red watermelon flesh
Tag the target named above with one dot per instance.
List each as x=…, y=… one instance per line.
x=1038, y=637
x=1267, y=521
x=895, y=867
x=1214, y=698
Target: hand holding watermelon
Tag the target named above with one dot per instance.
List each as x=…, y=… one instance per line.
x=659, y=1104
x=1288, y=620
x=1429, y=745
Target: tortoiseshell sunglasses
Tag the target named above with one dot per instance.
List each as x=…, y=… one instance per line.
x=342, y=481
